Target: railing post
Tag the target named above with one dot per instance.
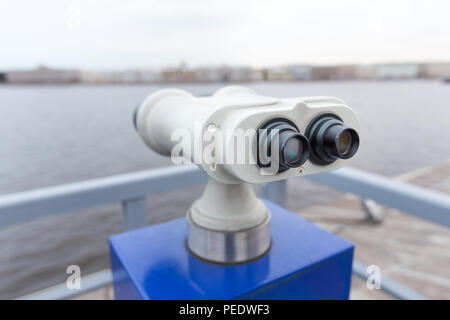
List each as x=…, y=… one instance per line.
x=374, y=212
x=275, y=192
x=134, y=213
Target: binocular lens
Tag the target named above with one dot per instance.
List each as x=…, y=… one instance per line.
x=331, y=140
x=292, y=151
x=344, y=142
x=293, y=147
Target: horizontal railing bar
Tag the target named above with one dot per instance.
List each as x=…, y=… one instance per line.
x=387, y=285
x=89, y=283
x=28, y=205
x=23, y=206
x=420, y=202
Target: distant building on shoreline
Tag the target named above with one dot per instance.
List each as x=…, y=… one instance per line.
x=120, y=77
x=398, y=71
x=343, y=72
x=288, y=73
x=436, y=71
x=43, y=75
x=325, y=73
x=178, y=75
x=209, y=74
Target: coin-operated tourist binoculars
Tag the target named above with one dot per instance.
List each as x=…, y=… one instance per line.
x=233, y=244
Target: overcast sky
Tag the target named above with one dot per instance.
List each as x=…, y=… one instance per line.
x=101, y=34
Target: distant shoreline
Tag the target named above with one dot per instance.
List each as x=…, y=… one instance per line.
x=106, y=84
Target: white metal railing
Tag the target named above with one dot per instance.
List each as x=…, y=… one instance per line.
x=131, y=189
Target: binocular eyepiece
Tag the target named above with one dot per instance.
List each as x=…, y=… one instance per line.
x=282, y=136
x=326, y=139
x=331, y=139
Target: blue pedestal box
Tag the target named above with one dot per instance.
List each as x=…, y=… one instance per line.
x=304, y=262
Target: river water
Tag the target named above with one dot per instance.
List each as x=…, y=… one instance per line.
x=51, y=135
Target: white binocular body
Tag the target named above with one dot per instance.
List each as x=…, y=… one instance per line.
x=239, y=137
x=236, y=135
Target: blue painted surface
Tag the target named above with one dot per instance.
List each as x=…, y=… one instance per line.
x=305, y=262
